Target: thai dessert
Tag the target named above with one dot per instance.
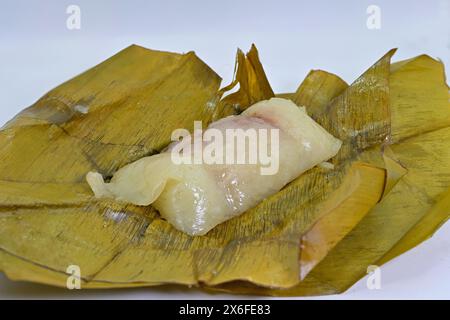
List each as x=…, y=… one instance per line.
x=291, y=193
x=271, y=143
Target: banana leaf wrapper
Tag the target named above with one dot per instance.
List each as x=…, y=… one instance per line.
x=388, y=191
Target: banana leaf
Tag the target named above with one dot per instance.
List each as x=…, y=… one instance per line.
x=386, y=193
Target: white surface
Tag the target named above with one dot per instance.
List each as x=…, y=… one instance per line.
x=38, y=52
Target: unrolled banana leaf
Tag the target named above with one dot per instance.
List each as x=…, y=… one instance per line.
x=388, y=191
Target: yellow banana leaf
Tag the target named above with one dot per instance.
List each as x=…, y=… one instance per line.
x=126, y=108
x=253, y=85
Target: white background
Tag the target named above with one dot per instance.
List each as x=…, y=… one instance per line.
x=38, y=52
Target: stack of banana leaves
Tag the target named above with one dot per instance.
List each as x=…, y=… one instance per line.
x=387, y=191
